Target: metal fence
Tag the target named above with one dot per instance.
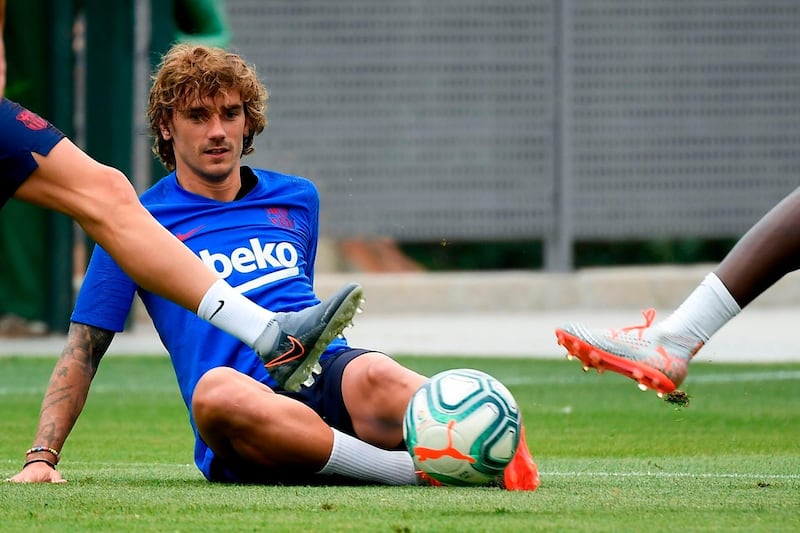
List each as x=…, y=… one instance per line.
x=558, y=120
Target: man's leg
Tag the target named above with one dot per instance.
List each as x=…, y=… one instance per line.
x=766, y=253
x=376, y=391
x=105, y=204
x=269, y=436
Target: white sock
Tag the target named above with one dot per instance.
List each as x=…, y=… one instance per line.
x=357, y=459
x=709, y=307
x=227, y=309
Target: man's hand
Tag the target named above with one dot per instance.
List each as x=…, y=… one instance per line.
x=38, y=473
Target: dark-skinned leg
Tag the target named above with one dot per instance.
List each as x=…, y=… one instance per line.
x=766, y=253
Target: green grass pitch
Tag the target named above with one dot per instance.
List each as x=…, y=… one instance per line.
x=611, y=458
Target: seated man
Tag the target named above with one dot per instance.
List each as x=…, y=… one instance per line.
x=258, y=230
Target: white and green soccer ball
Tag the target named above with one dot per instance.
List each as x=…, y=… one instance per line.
x=462, y=427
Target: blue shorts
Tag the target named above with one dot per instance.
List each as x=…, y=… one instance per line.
x=324, y=397
x=21, y=132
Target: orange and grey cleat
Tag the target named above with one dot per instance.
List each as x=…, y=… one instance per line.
x=639, y=352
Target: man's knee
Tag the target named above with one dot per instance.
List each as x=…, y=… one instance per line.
x=117, y=191
x=381, y=376
x=373, y=369
x=214, y=391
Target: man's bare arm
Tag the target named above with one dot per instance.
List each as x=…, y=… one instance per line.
x=64, y=400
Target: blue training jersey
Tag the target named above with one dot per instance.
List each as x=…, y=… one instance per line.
x=263, y=245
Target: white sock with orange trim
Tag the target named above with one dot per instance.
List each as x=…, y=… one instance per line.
x=355, y=458
x=709, y=307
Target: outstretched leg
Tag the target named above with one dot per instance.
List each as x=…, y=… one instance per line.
x=766, y=253
x=105, y=204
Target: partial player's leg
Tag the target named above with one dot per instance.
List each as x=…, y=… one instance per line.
x=766, y=253
x=657, y=355
x=105, y=204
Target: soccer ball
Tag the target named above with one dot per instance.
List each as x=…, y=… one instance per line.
x=462, y=427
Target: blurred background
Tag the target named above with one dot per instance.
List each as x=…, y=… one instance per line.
x=524, y=136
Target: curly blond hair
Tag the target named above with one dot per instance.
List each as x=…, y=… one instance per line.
x=189, y=73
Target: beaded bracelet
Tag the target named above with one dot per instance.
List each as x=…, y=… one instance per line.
x=52, y=465
x=37, y=449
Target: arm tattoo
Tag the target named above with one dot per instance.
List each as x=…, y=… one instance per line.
x=86, y=343
x=70, y=381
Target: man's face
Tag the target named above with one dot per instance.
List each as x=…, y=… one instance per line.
x=207, y=138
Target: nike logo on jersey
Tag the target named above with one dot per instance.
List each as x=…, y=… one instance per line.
x=221, y=305
x=295, y=351
x=183, y=236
